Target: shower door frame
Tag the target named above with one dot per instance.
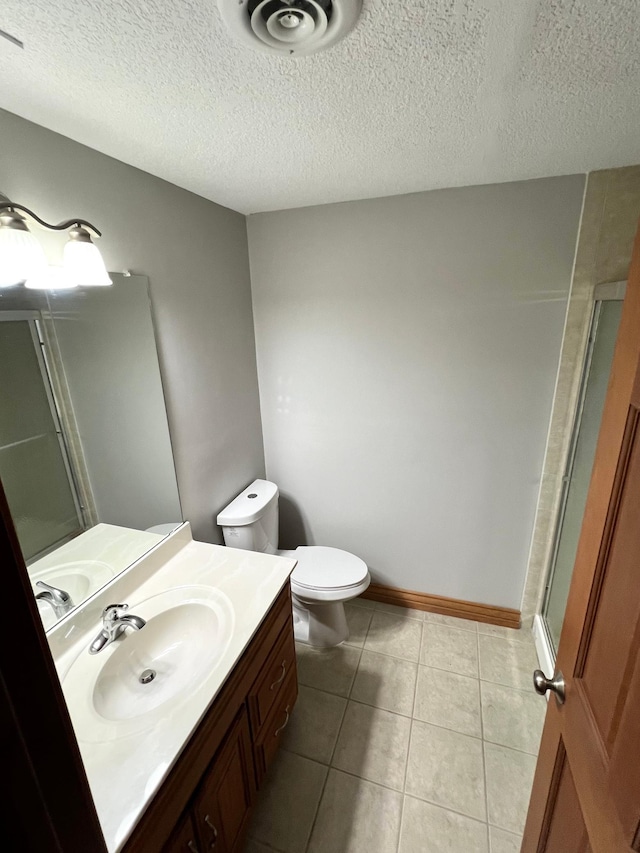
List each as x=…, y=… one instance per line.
x=33, y=319
x=547, y=651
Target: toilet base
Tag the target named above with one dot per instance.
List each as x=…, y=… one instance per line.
x=320, y=625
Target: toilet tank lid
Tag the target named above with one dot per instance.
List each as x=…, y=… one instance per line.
x=250, y=504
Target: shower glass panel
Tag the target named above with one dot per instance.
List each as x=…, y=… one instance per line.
x=34, y=466
x=602, y=337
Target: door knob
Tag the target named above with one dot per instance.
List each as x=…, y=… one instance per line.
x=555, y=684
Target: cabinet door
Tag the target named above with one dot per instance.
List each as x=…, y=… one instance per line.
x=227, y=792
x=183, y=838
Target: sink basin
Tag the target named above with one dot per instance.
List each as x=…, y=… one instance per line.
x=80, y=578
x=146, y=674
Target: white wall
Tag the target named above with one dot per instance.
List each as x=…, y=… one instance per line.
x=195, y=255
x=407, y=353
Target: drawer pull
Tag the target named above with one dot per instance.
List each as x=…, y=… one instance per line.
x=279, y=680
x=192, y=846
x=211, y=826
x=284, y=725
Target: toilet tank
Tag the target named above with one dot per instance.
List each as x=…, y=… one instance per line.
x=250, y=521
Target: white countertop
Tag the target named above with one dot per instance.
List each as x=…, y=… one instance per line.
x=126, y=764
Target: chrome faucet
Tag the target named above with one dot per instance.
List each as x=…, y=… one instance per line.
x=114, y=622
x=59, y=599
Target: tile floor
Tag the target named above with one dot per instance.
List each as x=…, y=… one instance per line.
x=419, y=735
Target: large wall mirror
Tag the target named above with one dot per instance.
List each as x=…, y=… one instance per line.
x=85, y=450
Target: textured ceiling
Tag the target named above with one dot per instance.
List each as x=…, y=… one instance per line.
x=421, y=94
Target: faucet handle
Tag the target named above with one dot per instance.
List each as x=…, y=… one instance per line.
x=113, y=611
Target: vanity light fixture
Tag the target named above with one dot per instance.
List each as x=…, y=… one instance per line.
x=23, y=261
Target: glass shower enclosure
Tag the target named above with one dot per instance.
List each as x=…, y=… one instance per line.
x=575, y=484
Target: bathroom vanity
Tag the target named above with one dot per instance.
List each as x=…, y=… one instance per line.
x=206, y=801
x=174, y=759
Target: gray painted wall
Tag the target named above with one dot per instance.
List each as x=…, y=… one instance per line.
x=108, y=352
x=407, y=355
x=195, y=255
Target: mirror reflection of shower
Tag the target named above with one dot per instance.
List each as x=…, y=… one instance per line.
x=85, y=450
x=36, y=466
x=605, y=320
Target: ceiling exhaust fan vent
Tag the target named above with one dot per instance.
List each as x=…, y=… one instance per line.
x=293, y=28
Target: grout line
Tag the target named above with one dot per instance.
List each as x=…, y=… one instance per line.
x=506, y=686
x=451, y=671
x=315, y=816
x=450, y=809
x=406, y=761
x=417, y=663
x=335, y=745
x=368, y=781
x=435, y=624
x=526, y=690
x=484, y=762
x=511, y=748
x=412, y=717
x=387, y=655
x=455, y=811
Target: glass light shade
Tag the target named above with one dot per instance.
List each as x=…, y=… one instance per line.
x=21, y=256
x=83, y=264
x=52, y=278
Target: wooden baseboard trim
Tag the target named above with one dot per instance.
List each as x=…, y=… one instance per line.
x=489, y=613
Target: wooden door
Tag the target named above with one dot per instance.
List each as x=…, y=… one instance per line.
x=586, y=791
x=223, y=806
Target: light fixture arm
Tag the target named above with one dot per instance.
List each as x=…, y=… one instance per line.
x=62, y=226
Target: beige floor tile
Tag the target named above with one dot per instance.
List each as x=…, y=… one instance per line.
x=358, y=620
x=373, y=745
x=429, y=828
x=446, y=768
x=520, y=634
x=356, y=816
x=332, y=669
x=402, y=612
x=507, y=662
x=314, y=724
x=449, y=648
x=512, y=717
x=451, y=621
x=288, y=802
x=385, y=682
x=448, y=699
x=391, y=635
x=504, y=842
x=509, y=780
x=363, y=602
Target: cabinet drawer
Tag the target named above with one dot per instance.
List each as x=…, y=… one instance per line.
x=267, y=689
x=266, y=745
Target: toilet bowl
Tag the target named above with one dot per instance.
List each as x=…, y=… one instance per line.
x=323, y=579
x=320, y=584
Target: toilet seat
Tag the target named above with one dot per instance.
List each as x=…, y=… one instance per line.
x=328, y=574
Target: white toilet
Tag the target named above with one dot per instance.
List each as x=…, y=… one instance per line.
x=321, y=582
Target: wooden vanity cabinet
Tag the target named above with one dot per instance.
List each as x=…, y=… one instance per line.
x=184, y=837
x=205, y=804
